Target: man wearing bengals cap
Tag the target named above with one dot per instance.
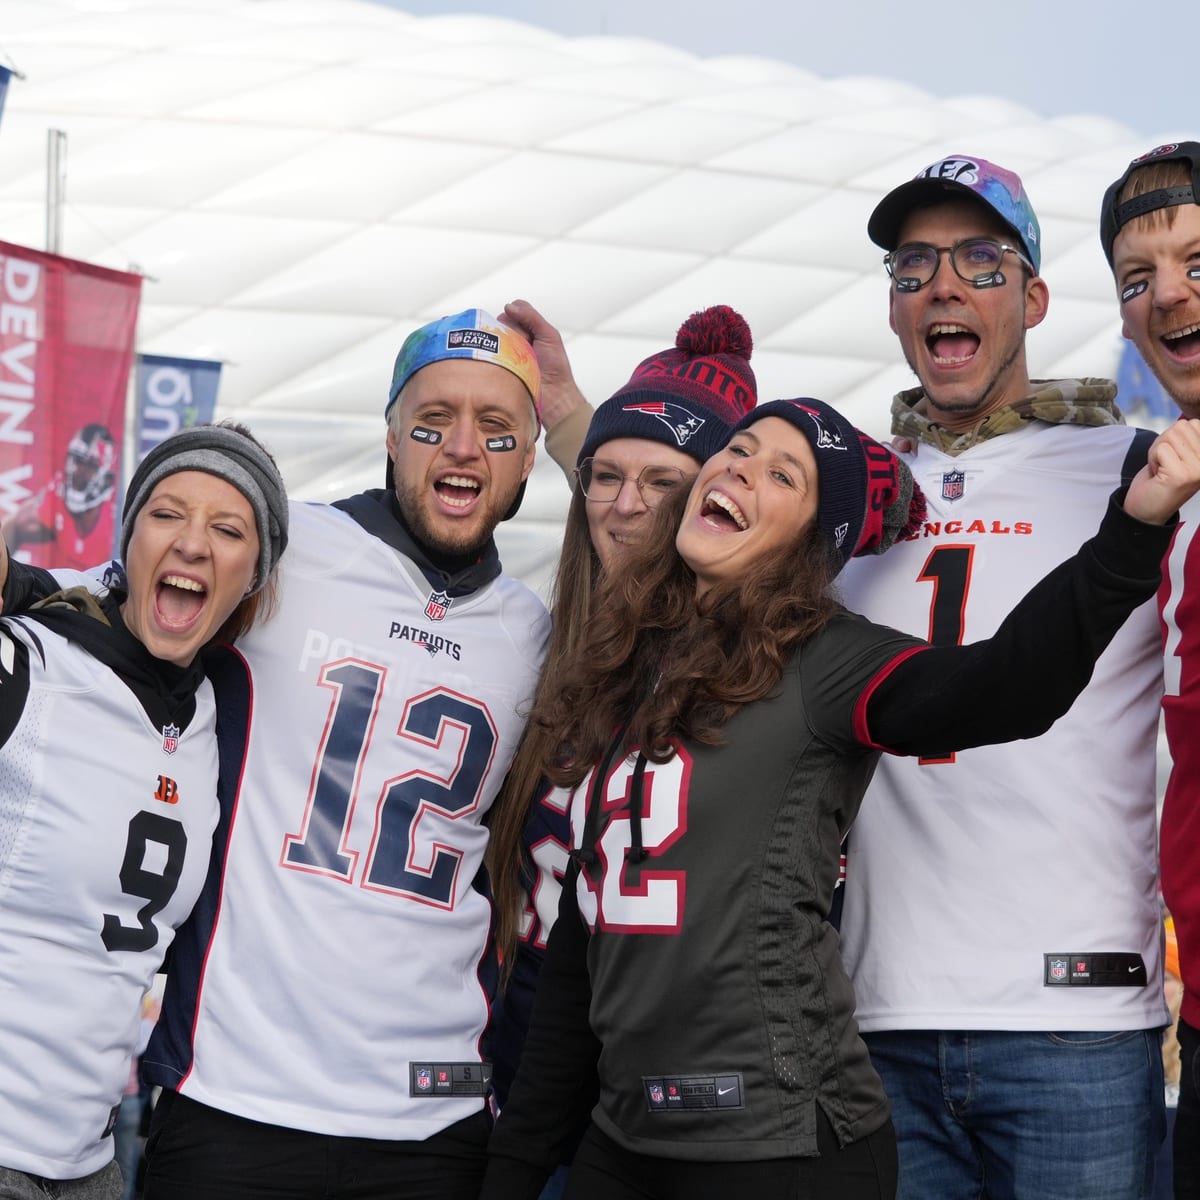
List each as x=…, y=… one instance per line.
x=1000, y=917
x=322, y=1026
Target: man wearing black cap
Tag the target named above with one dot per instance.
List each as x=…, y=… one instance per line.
x=321, y=1033
x=1150, y=231
x=1000, y=919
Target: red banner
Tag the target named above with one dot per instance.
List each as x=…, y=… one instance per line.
x=66, y=348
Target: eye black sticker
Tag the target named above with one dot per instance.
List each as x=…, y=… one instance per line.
x=1133, y=291
x=506, y=442
x=430, y=437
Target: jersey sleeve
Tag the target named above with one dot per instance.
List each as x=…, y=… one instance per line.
x=1018, y=682
x=25, y=585
x=14, y=682
x=838, y=669
x=556, y=1084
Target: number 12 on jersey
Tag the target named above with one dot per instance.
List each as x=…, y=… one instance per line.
x=404, y=859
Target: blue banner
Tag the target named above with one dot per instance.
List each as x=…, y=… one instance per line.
x=172, y=394
x=1137, y=387
x=5, y=76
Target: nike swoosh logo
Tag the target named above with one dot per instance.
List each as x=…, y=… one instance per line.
x=1132, y=969
x=726, y=1091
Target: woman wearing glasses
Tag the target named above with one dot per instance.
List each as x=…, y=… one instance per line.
x=644, y=444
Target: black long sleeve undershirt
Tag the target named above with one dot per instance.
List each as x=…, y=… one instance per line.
x=1019, y=681
x=558, y=1061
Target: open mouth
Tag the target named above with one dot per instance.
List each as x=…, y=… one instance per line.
x=1183, y=343
x=457, y=491
x=951, y=344
x=721, y=513
x=178, y=601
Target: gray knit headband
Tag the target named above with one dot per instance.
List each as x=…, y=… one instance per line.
x=229, y=455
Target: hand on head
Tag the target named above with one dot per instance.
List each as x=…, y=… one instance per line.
x=560, y=393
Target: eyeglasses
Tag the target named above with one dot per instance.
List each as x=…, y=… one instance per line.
x=975, y=261
x=602, y=482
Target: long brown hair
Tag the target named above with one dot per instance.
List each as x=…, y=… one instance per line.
x=639, y=651
x=666, y=666
x=572, y=602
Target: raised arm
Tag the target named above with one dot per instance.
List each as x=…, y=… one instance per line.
x=565, y=412
x=1018, y=682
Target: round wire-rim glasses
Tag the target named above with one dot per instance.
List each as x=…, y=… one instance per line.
x=602, y=482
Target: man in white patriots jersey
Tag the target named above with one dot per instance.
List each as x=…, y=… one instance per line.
x=321, y=1028
x=1001, y=920
x=1150, y=231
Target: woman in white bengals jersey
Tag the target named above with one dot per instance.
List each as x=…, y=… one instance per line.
x=108, y=791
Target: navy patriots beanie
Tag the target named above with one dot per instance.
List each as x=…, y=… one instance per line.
x=866, y=496
x=687, y=397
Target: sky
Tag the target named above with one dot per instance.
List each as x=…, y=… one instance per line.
x=1056, y=57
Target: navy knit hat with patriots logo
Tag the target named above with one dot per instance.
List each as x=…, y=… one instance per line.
x=686, y=397
x=866, y=496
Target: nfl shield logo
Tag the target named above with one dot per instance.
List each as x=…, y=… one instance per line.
x=656, y=1093
x=436, y=606
x=170, y=738
x=1058, y=968
x=952, y=485
x=424, y=1079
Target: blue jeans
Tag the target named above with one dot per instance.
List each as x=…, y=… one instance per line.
x=1187, y=1119
x=1013, y=1116
x=126, y=1143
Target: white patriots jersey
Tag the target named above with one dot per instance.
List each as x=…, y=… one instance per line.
x=106, y=825
x=964, y=875
x=346, y=956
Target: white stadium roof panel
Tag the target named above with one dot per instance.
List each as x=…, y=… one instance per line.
x=360, y=177
x=177, y=246
x=696, y=210
x=580, y=283
x=664, y=133
x=533, y=192
x=530, y=114
x=773, y=292
x=814, y=152
x=304, y=181
x=324, y=97
x=344, y=275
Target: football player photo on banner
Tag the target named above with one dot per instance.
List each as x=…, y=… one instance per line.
x=172, y=394
x=66, y=347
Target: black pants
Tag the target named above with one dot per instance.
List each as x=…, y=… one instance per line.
x=199, y=1153
x=864, y=1170
x=1186, y=1146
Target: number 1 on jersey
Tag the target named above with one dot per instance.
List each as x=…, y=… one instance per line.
x=948, y=568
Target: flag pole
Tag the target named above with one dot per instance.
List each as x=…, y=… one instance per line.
x=56, y=187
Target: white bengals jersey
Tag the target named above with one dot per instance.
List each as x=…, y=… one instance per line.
x=338, y=977
x=977, y=886
x=106, y=824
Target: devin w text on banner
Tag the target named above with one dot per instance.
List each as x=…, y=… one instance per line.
x=66, y=348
